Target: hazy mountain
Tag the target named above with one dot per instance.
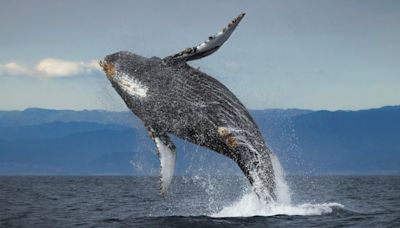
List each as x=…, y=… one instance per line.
x=365, y=141
x=34, y=116
x=64, y=142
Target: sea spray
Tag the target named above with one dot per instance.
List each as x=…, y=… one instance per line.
x=282, y=190
x=250, y=205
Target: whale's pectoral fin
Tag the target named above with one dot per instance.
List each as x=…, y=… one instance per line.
x=167, y=155
x=211, y=45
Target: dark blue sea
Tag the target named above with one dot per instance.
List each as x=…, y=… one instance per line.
x=198, y=201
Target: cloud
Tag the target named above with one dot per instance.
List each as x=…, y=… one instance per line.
x=14, y=69
x=58, y=68
x=61, y=68
x=51, y=68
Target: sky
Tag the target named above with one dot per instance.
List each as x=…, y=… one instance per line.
x=311, y=54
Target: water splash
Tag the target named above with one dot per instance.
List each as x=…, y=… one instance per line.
x=282, y=190
x=251, y=205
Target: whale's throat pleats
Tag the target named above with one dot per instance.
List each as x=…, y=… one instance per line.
x=167, y=155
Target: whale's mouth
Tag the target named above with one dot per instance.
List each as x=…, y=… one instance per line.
x=108, y=68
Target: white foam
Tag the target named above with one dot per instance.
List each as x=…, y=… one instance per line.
x=249, y=205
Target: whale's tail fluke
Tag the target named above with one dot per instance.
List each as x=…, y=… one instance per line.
x=211, y=45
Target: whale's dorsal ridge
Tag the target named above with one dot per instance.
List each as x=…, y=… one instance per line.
x=211, y=45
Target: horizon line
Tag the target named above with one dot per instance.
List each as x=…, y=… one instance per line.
x=251, y=109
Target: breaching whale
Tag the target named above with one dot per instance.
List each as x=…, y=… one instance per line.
x=171, y=97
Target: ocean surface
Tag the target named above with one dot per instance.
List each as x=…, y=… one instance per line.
x=198, y=201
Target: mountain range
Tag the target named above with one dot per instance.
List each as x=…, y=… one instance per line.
x=96, y=142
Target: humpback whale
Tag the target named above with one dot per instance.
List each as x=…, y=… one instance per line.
x=173, y=98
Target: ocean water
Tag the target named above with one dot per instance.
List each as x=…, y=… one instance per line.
x=198, y=201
